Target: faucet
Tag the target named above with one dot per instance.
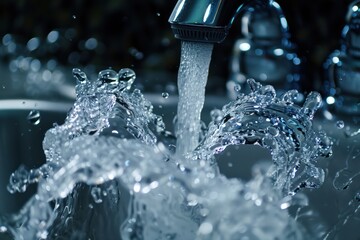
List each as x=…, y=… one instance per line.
x=342, y=74
x=208, y=21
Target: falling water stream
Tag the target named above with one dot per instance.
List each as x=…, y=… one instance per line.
x=110, y=173
x=193, y=74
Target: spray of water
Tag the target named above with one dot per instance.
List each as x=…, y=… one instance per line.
x=110, y=173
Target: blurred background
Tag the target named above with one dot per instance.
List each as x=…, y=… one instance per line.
x=95, y=34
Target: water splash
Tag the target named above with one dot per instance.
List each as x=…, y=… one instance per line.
x=351, y=211
x=109, y=151
x=278, y=125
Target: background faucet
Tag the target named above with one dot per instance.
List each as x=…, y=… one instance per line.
x=264, y=51
x=207, y=20
x=342, y=68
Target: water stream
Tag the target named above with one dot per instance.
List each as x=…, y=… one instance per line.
x=192, y=78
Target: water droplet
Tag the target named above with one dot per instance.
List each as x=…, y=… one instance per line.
x=3, y=229
x=165, y=95
x=34, y=117
x=254, y=86
x=96, y=194
x=340, y=124
x=357, y=197
x=269, y=91
x=126, y=77
x=79, y=75
x=74, y=16
x=42, y=234
x=290, y=96
x=158, y=14
x=216, y=115
x=237, y=87
x=108, y=76
x=312, y=103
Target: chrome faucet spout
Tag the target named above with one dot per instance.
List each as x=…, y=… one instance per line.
x=207, y=20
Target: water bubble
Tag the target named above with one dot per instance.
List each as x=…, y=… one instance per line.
x=96, y=194
x=79, y=75
x=34, y=117
x=165, y=95
x=74, y=16
x=340, y=124
x=158, y=14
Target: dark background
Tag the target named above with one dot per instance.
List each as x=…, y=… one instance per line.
x=136, y=34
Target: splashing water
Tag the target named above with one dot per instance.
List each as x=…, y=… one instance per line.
x=110, y=174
